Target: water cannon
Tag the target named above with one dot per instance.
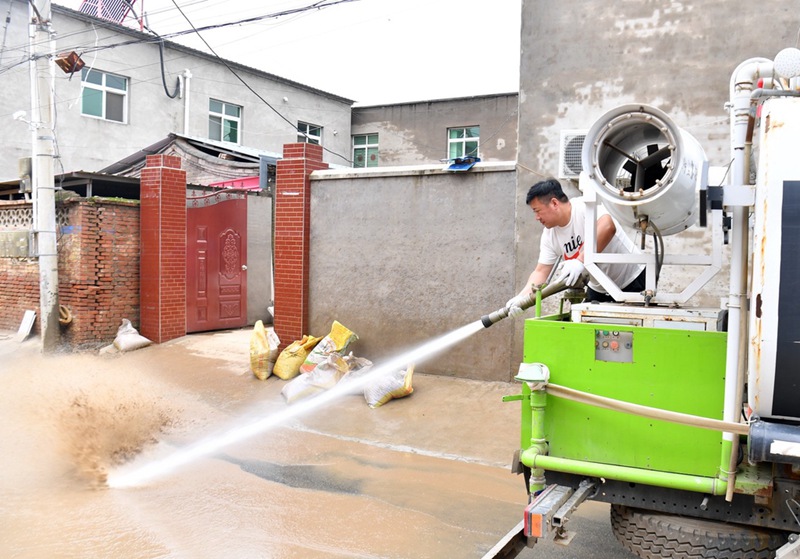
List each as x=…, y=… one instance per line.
x=546, y=291
x=645, y=169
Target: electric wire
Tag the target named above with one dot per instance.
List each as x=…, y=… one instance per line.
x=253, y=91
x=160, y=41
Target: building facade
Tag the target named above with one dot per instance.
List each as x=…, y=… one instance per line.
x=134, y=90
x=428, y=132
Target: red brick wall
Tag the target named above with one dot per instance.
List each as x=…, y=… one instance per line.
x=98, y=273
x=19, y=291
x=163, y=242
x=99, y=269
x=292, y=212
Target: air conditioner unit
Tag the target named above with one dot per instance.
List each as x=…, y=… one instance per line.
x=570, y=153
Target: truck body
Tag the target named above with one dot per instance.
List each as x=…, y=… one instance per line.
x=685, y=419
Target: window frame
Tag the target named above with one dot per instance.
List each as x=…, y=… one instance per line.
x=104, y=90
x=366, y=147
x=462, y=141
x=304, y=134
x=223, y=117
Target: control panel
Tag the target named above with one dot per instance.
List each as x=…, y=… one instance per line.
x=613, y=345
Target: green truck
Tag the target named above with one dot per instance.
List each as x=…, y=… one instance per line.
x=686, y=420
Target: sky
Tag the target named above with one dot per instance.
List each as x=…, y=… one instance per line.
x=370, y=51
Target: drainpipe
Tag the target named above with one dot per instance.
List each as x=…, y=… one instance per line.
x=741, y=87
x=186, y=78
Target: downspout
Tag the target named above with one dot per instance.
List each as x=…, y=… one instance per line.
x=186, y=78
x=741, y=87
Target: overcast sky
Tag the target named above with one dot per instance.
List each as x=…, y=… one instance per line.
x=371, y=51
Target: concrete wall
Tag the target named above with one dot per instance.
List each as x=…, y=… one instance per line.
x=416, y=133
x=404, y=255
x=90, y=144
x=259, y=257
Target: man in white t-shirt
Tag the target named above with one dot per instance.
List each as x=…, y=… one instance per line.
x=564, y=222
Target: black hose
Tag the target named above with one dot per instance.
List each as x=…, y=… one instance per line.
x=174, y=94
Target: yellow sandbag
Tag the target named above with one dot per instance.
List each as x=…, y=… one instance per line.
x=288, y=364
x=394, y=385
x=337, y=341
x=263, y=350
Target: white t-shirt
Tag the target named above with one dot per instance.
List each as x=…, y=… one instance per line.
x=567, y=241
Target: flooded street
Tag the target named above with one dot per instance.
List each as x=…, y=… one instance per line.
x=414, y=478
x=421, y=477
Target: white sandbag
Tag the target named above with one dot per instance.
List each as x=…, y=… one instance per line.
x=389, y=386
x=128, y=338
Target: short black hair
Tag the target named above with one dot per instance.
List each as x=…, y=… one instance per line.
x=545, y=190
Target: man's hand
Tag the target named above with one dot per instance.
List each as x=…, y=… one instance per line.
x=571, y=271
x=513, y=306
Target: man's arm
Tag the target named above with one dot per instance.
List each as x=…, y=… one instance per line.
x=538, y=276
x=605, y=232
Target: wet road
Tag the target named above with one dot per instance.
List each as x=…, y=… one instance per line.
x=422, y=477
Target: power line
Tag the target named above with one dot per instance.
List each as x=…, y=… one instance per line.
x=319, y=4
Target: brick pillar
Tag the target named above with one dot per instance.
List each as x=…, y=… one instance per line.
x=162, y=220
x=292, y=229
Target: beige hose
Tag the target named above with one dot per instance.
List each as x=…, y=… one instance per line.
x=653, y=413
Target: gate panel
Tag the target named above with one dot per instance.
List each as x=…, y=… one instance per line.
x=216, y=270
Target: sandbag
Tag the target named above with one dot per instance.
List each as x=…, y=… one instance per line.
x=337, y=341
x=388, y=387
x=290, y=359
x=324, y=376
x=357, y=367
x=128, y=338
x=263, y=350
x=334, y=370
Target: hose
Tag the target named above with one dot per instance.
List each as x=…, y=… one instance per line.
x=547, y=291
x=645, y=411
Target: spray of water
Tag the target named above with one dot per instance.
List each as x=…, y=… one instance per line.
x=165, y=466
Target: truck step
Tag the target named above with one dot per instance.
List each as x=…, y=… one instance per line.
x=551, y=509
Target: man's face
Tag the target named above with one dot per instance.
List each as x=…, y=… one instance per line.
x=546, y=212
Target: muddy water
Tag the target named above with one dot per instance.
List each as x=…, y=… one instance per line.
x=421, y=477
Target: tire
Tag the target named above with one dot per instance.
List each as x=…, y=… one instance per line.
x=652, y=535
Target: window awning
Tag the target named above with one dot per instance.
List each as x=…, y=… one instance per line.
x=462, y=163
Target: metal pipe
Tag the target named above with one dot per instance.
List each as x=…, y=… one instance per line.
x=761, y=92
x=741, y=87
x=670, y=480
x=538, y=442
x=531, y=300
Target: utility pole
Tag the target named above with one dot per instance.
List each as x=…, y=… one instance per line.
x=42, y=180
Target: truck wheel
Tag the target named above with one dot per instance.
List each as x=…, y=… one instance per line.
x=655, y=536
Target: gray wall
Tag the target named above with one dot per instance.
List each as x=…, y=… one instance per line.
x=90, y=144
x=404, y=256
x=416, y=133
x=259, y=257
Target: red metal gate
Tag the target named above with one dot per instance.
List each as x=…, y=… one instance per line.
x=216, y=261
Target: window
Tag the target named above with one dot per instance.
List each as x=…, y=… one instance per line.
x=309, y=133
x=223, y=121
x=463, y=142
x=365, y=150
x=104, y=95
